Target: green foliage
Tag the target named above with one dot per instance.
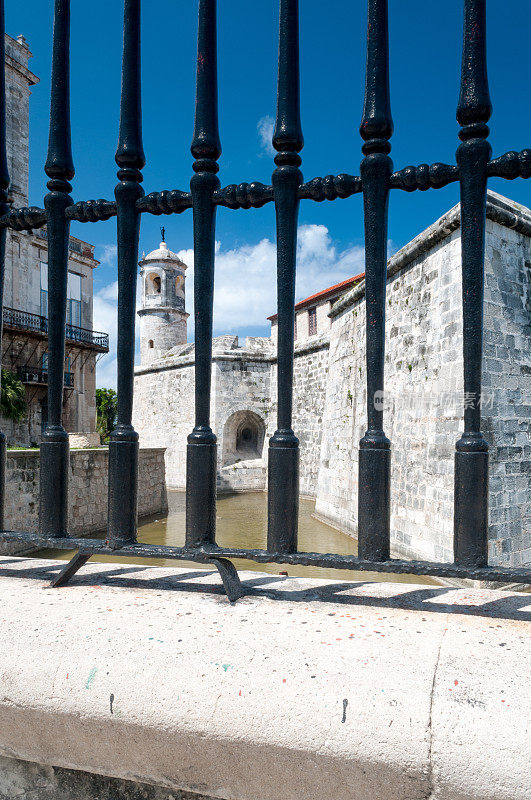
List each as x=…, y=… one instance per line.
x=13, y=403
x=106, y=405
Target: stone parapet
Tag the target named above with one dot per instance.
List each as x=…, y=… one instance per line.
x=87, y=488
x=303, y=689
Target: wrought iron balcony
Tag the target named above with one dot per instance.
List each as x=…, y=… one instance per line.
x=39, y=377
x=14, y=319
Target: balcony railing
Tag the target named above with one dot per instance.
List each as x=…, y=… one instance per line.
x=34, y=375
x=25, y=321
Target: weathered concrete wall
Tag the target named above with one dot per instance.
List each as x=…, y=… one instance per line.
x=241, y=392
x=424, y=386
x=87, y=488
x=84, y=440
x=303, y=689
x=19, y=78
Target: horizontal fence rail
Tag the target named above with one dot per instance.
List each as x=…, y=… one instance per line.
x=474, y=165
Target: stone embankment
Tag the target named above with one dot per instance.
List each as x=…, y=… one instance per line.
x=87, y=488
x=146, y=683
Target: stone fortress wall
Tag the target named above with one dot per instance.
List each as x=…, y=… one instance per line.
x=243, y=395
x=424, y=387
x=423, y=403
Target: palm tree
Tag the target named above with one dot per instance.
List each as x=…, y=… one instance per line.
x=13, y=403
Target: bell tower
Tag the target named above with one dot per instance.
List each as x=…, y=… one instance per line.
x=162, y=314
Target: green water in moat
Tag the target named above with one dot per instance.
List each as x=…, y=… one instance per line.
x=242, y=522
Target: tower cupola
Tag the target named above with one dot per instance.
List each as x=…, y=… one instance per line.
x=162, y=314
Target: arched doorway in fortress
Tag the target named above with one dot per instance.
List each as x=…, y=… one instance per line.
x=243, y=437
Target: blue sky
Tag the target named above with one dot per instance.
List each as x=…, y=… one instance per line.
x=425, y=63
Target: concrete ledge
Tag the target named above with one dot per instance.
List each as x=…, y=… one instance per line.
x=304, y=689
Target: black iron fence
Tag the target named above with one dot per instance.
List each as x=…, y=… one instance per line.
x=15, y=319
x=376, y=179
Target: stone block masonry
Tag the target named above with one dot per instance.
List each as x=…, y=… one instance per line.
x=87, y=488
x=423, y=408
x=310, y=374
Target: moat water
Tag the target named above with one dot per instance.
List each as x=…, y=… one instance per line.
x=242, y=522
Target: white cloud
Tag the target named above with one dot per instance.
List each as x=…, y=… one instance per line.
x=245, y=291
x=265, y=127
x=245, y=288
x=108, y=256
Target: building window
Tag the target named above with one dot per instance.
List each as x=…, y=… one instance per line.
x=73, y=304
x=150, y=344
x=44, y=363
x=44, y=289
x=312, y=321
x=73, y=301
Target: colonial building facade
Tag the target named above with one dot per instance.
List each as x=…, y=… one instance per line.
x=423, y=405
x=25, y=324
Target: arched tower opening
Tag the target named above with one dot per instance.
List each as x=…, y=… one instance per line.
x=153, y=283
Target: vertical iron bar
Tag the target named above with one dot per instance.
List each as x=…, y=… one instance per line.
x=376, y=129
x=201, y=460
x=123, y=444
x=473, y=154
x=283, y=459
x=53, y=512
x=4, y=188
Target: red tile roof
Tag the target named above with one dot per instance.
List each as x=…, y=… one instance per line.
x=338, y=288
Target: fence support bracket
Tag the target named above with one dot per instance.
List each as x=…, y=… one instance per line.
x=70, y=569
x=231, y=580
